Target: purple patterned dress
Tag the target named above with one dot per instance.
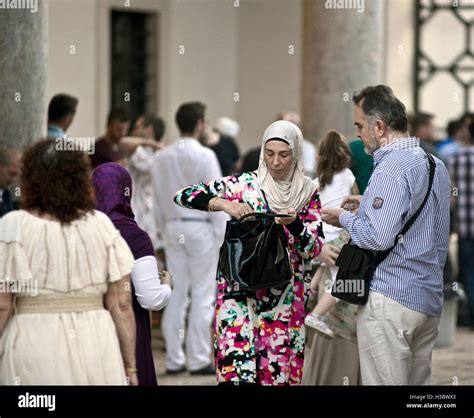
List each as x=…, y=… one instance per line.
x=259, y=336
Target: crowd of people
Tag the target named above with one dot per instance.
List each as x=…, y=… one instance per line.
x=93, y=240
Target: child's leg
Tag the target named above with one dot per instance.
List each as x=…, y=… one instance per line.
x=315, y=319
x=316, y=279
x=326, y=302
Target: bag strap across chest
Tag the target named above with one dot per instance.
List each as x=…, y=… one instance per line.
x=382, y=255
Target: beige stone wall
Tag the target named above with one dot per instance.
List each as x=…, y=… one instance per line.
x=249, y=47
x=342, y=53
x=85, y=24
x=73, y=63
x=207, y=71
x=253, y=50
x=270, y=50
x=400, y=49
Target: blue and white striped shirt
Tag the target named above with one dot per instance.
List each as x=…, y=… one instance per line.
x=412, y=274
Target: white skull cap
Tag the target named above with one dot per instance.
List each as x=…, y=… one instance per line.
x=227, y=126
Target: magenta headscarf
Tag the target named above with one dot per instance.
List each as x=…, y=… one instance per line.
x=113, y=190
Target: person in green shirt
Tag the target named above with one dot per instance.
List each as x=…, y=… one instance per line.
x=362, y=164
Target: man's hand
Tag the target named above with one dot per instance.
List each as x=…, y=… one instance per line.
x=289, y=220
x=352, y=203
x=331, y=216
x=329, y=254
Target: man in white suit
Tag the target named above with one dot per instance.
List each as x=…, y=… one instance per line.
x=191, y=242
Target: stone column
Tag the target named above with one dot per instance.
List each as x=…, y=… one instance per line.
x=343, y=51
x=23, y=73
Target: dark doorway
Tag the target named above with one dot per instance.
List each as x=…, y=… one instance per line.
x=133, y=62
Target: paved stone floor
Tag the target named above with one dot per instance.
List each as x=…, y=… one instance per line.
x=451, y=365
x=456, y=363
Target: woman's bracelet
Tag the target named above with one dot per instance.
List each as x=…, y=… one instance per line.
x=131, y=370
x=211, y=204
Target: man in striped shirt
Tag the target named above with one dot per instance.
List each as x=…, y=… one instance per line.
x=398, y=326
x=461, y=167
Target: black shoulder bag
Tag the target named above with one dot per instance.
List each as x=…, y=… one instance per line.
x=357, y=265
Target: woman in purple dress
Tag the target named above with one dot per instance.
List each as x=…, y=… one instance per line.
x=113, y=187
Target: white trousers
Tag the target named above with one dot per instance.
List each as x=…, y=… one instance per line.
x=395, y=343
x=191, y=257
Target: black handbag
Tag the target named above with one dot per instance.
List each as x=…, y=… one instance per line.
x=255, y=254
x=357, y=265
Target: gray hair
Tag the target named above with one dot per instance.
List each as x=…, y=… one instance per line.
x=380, y=103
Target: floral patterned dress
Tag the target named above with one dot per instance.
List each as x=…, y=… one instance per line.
x=259, y=336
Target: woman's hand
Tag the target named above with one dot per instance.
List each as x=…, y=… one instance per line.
x=329, y=254
x=167, y=278
x=118, y=301
x=132, y=378
x=289, y=220
x=6, y=309
x=234, y=209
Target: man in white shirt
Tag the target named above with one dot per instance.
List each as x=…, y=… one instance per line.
x=150, y=127
x=191, y=240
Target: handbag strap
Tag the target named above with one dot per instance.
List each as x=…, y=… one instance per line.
x=268, y=214
x=264, y=215
x=382, y=255
x=265, y=200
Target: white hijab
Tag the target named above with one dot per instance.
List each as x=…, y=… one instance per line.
x=296, y=189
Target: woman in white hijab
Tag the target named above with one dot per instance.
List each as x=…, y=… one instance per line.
x=259, y=336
